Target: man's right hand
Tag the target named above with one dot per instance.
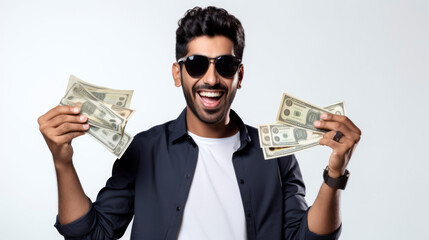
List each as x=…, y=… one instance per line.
x=59, y=126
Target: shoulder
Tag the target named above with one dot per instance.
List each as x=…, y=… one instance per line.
x=155, y=130
x=154, y=133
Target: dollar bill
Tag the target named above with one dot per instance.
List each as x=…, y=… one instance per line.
x=273, y=152
x=298, y=113
x=118, y=99
x=100, y=105
x=280, y=135
x=337, y=108
x=113, y=141
x=98, y=113
x=284, y=145
x=123, y=112
x=115, y=97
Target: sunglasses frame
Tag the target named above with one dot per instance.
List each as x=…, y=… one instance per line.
x=211, y=60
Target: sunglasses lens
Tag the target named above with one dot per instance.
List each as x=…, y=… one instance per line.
x=196, y=66
x=227, y=65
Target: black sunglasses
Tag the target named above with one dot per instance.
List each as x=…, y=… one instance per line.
x=197, y=65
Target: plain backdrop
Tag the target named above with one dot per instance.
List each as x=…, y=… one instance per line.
x=373, y=54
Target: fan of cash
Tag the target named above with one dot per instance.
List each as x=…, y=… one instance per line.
x=294, y=130
x=107, y=111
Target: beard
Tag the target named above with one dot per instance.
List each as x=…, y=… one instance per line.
x=207, y=116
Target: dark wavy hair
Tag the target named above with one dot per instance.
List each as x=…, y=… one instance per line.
x=210, y=21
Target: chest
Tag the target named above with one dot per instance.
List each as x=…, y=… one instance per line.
x=167, y=174
x=165, y=177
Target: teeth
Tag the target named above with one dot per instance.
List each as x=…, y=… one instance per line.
x=210, y=94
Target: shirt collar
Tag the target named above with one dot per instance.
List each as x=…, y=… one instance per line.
x=178, y=131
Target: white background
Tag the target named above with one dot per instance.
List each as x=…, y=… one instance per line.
x=371, y=53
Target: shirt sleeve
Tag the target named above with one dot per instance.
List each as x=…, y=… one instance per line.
x=109, y=216
x=295, y=226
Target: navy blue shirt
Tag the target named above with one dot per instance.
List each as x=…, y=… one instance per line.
x=152, y=181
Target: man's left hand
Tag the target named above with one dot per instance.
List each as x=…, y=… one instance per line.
x=344, y=148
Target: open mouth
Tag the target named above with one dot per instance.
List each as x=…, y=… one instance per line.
x=210, y=98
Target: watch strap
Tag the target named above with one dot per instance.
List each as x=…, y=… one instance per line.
x=337, y=183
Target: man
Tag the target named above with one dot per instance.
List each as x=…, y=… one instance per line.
x=201, y=176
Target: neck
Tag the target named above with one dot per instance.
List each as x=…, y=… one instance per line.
x=222, y=129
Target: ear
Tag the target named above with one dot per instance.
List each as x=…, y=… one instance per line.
x=175, y=70
x=240, y=76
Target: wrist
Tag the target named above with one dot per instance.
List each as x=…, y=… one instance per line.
x=336, y=173
x=63, y=166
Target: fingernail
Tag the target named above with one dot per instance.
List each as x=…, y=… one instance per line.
x=317, y=123
x=82, y=117
x=76, y=109
x=85, y=126
x=324, y=116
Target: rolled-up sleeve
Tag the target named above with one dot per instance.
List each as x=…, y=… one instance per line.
x=109, y=216
x=295, y=207
x=79, y=227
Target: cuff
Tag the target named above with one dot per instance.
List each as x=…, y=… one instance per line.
x=309, y=235
x=78, y=228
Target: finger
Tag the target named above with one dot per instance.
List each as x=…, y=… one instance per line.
x=342, y=119
x=336, y=146
x=343, y=140
x=70, y=127
x=57, y=111
x=60, y=119
x=68, y=137
x=325, y=141
x=337, y=126
x=331, y=135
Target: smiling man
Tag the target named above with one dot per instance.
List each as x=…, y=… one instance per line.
x=203, y=175
x=210, y=75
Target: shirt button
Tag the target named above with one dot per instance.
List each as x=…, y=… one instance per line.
x=187, y=176
x=178, y=208
x=242, y=181
x=249, y=215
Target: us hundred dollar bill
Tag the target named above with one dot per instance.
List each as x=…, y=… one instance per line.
x=98, y=113
x=115, y=97
x=113, y=141
x=298, y=113
x=275, y=152
x=118, y=99
x=337, y=108
x=281, y=135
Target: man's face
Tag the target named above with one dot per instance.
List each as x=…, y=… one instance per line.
x=209, y=97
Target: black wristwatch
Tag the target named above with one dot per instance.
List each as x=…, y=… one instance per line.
x=337, y=183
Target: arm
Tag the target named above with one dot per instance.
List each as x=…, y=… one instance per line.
x=324, y=216
x=78, y=217
x=72, y=201
x=108, y=217
x=296, y=211
x=59, y=127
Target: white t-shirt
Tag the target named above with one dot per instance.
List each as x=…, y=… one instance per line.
x=214, y=209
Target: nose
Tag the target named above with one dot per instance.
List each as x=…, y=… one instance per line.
x=211, y=77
